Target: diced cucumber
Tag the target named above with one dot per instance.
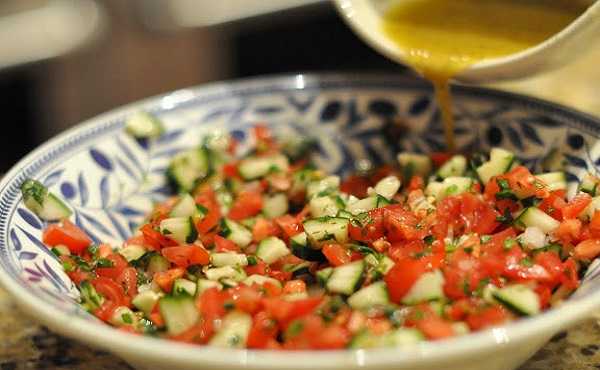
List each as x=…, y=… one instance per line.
x=253, y=168
x=145, y=301
x=90, y=299
x=499, y=163
x=430, y=286
x=589, y=211
x=382, y=263
x=375, y=294
x=455, y=186
x=402, y=337
x=184, y=286
x=554, y=180
x=460, y=328
x=301, y=249
x=179, y=313
x=589, y=184
x=367, y=204
x=434, y=189
x=272, y=249
x=365, y=339
x=388, y=186
x=234, y=331
x=321, y=230
x=181, y=229
x=43, y=203
x=205, y=284
x=260, y=280
x=345, y=279
x=519, y=299
x=157, y=263
x=275, y=205
x=324, y=275
x=143, y=125
x=414, y=164
x=323, y=206
x=185, y=207
x=236, y=233
x=225, y=272
x=345, y=214
x=188, y=167
x=61, y=250
x=228, y=259
x=533, y=216
x=132, y=252
x=330, y=184
x=454, y=167
x=123, y=316
x=297, y=147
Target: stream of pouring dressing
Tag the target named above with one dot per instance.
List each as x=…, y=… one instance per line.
x=443, y=37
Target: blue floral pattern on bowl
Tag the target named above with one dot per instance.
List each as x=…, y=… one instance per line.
x=111, y=181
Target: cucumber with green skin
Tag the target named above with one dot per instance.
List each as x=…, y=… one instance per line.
x=43, y=203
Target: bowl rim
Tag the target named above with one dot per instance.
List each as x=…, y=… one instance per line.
x=129, y=345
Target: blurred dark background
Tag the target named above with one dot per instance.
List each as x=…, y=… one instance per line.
x=129, y=50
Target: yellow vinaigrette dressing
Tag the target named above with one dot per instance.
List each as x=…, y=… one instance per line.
x=443, y=37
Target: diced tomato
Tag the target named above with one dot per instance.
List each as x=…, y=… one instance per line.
x=280, y=275
x=554, y=203
x=198, y=333
x=165, y=279
x=67, y=234
x=246, y=299
x=355, y=185
x=79, y=276
x=247, y=204
x=544, y=295
x=104, y=250
x=106, y=310
x=372, y=227
x=524, y=184
x=186, y=255
x=110, y=290
x=587, y=249
x=211, y=303
x=156, y=317
x=259, y=268
x=154, y=239
x=128, y=280
x=487, y=317
x=435, y=328
x=230, y=170
x=569, y=231
x=416, y=182
x=576, y=205
x=570, y=278
x=289, y=224
x=294, y=286
x=286, y=311
x=264, y=228
x=264, y=330
x=207, y=199
x=439, y=158
x=595, y=225
x=118, y=265
x=263, y=136
x=336, y=254
x=225, y=245
x=402, y=277
x=552, y=263
x=401, y=224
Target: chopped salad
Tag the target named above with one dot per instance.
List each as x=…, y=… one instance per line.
x=262, y=250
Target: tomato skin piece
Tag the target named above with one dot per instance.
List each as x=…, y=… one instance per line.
x=401, y=224
x=576, y=205
x=435, y=328
x=261, y=268
x=402, y=277
x=570, y=278
x=264, y=329
x=208, y=200
x=554, y=203
x=290, y=225
x=264, y=228
x=488, y=317
x=246, y=298
x=211, y=303
x=67, y=234
x=154, y=239
x=112, y=292
x=165, y=279
x=247, y=204
x=186, y=255
x=119, y=264
x=355, y=185
x=587, y=249
x=199, y=333
x=336, y=254
x=594, y=225
x=225, y=245
x=285, y=311
x=569, y=231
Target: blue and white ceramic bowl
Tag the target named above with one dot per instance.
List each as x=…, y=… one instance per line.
x=111, y=180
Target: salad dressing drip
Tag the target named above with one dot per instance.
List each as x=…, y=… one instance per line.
x=441, y=38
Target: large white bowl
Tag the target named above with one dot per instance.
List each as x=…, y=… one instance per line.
x=110, y=180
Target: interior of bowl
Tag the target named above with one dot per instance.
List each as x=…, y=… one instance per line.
x=111, y=180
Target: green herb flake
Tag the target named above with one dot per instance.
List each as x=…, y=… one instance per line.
x=252, y=261
x=104, y=262
x=228, y=306
x=429, y=239
x=452, y=189
x=93, y=249
x=294, y=329
x=166, y=232
x=68, y=266
x=527, y=262
x=506, y=218
x=127, y=318
x=509, y=243
x=485, y=239
x=56, y=252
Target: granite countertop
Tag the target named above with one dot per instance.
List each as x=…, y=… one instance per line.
x=27, y=345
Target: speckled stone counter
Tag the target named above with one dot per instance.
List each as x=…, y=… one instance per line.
x=27, y=345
